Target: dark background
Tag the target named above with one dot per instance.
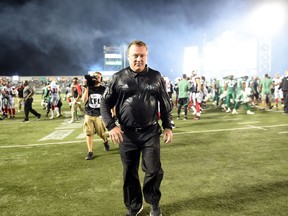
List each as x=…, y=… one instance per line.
x=66, y=37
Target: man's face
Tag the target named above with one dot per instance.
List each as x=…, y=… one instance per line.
x=137, y=57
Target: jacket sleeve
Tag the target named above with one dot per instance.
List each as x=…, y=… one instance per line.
x=107, y=103
x=165, y=105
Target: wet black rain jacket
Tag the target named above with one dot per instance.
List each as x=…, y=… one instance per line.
x=136, y=97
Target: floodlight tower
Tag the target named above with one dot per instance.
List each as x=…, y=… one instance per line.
x=266, y=20
x=264, y=44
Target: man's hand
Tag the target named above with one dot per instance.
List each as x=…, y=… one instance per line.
x=116, y=135
x=168, y=135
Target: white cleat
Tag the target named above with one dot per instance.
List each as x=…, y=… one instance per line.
x=250, y=113
x=234, y=112
x=223, y=107
x=194, y=110
x=228, y=110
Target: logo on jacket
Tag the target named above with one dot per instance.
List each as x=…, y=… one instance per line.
x=125, y=86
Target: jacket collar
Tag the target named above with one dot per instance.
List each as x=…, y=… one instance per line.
x=134, y=74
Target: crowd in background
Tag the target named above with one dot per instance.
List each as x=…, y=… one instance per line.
x=188, y=94
x=229, y=93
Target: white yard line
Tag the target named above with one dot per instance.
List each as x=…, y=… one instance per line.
x=57, y=135
x=245, y=123
x=46, y=144
x=248, y=127
x=254, y=127
x=283, y=132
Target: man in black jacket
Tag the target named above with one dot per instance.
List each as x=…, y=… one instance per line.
x=28, y=93
x=136, y=92
x=284, y=87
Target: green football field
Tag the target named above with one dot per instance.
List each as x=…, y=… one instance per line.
x=221, y=165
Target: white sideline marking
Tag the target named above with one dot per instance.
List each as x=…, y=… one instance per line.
x=69, y=126
x=190, y=132
x=255, y=122
x=45, y=144
x=57, y=135
x=81, y=136
x=229, y=129
x=283, y=132
x=260, y=128
x=271, y=126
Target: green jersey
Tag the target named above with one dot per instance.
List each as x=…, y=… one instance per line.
x=266, y=86
x=240, y=81
x=184, y=87
x=231, y=86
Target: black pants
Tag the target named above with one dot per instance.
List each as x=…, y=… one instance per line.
x=148, y=143
x=183, y=102
x=285, y=101
x=28, y=108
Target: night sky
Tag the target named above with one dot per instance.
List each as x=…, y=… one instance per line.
x=66, y=37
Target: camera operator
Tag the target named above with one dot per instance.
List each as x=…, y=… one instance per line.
x=93, y=123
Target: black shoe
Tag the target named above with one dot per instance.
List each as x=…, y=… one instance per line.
x=39, y=116
x=106, y=146
x=155, y=210
x=89, y=156
x=25, y=120
x=133, y=212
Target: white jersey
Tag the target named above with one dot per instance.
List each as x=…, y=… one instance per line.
x=278, y=93
x=194, y=83
x=55, y=94
x=168, y=85
x=277, y=82
x=8, y=91
x=54, y=89
x=8, y=97
x=1, y=87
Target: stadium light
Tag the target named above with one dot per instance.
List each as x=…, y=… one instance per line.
x=226, y=54
x=267, y=19
x=230, y=53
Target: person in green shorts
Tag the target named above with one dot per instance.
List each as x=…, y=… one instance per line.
x=242, y=96
x=231, y=93
x=265, y=89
